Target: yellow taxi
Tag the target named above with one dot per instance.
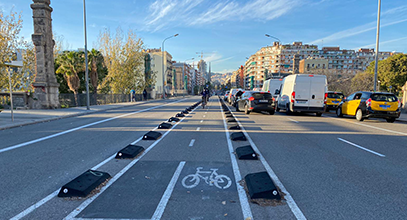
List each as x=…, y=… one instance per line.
x=370, y=105
x=333, y=100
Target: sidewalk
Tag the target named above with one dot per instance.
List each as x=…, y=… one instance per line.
x=33, y=116
x=403, y=117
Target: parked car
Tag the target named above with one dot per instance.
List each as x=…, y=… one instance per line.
x=254, y=101
x=303, y=93
x=225, y=98
x=365, y=105
x=237, y=96
x=231, y=97
x=333, y=99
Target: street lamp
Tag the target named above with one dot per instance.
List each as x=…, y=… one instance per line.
x=267, y=35
x=86, y=58
x=377, y=47
x=162, y=51
x=183, y=76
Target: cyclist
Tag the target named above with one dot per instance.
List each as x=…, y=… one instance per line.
x=204, y=98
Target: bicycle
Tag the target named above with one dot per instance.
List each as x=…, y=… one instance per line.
x=204, y=102
x=220, y=181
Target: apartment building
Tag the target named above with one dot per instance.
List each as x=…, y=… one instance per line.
x=184, y=73
x=156, y=59
x=309, y=64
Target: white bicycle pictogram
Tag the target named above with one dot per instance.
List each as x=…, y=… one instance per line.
x=220, y=181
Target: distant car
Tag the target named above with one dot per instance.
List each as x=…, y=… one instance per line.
x=254, y=101
x=365, y=105
x=226, y=96
x=231, y=97
x=333, y=100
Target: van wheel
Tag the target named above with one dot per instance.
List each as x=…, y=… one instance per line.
x=277, y=109
x=339, y=112
x=246, y=110
x=271, y=112
x=390, y=120
x=318, y=114
x=237, y=107
x=288, y=110
x=359, y=115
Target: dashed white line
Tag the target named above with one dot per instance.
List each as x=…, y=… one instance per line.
x=201, y=121
x=192, y=142
x=198, y=128
x=292, y=120
x=360, y=147
x=204, y=116
x=167, y=194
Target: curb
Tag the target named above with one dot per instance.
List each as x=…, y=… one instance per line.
x=68, y=116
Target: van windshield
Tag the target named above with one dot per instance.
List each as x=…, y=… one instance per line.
x=384, y=97
x=335, y=95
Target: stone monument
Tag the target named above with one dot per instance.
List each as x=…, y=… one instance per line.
x=45, y=83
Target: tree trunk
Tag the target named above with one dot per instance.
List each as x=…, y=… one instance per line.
x=76, y=98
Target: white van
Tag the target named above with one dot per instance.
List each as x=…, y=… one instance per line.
x=303, y=93
x=271, y=86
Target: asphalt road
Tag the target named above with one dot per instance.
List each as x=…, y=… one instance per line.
x=329, y=168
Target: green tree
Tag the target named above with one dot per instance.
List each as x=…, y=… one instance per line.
x=70, y=64
x=97, y=70
x=362, y=82
x=391, y=72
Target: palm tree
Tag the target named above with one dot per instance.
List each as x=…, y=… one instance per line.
x=70, y=64
x=96, y=65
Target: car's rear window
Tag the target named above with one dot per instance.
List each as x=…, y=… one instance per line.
x=261, y=95
x=384, y=98
x=335, y=95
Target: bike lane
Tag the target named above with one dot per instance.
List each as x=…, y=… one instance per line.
x=188, y=175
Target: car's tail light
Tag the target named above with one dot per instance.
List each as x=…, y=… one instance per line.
x=399, y=103
x=251, y=99
x=273, y=99
x=293, y=97
x=325, y=98
x=369, y=102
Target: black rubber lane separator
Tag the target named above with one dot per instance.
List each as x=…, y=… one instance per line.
x=173, y=119
x=184, y=112
x=231, y=120
x=152, y=135
x=238, y=136
x=261, y=186
x=164, y=125
x=246, y=153
x=131, y=151
x=229, y=116
x=82, y=185
x=234, y=127
x=179, y=115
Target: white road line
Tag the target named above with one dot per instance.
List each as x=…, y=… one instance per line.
x=192, y=142
x=167, y=194
x=369, y=126
x=80, y=127
x=88, y=201
x=355, y=145
x=290, y=201
x=198, y=128
x=55, y=193
x=244, y=203
x=201, y=121
x=204, y=116
x=293, y=120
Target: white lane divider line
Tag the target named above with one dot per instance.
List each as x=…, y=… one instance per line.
x=80, y=127
x=167, y=194
x=290, y=201
x=244, y=203
x=55, y=193
x=204, y=116
x=292, y=120
x=201, y=121
x=198, y=128
x=192, y=142
x=363, y=148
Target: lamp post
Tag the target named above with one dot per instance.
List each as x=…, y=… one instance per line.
x=86, y=58
x=267, y=35
x=162, y=51
x=183, y=76
x=377, y=47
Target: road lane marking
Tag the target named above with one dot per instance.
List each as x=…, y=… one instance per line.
x=244, y=203
x=55, y=193
x=201, y=121
x=355, y=145
x=210, y=177
x=292, y=120
x=167, y=194
x=204, y=116
x=88, y=201
x=369, y=126
x=80, y=127
x=198, y=128
x=192, y=142
x=290, y=201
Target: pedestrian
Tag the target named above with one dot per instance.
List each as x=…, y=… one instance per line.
x=133, y=95
x=145, y=94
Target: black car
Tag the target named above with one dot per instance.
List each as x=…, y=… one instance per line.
x=254, y=101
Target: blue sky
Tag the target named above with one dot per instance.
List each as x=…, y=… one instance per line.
x=228, y=31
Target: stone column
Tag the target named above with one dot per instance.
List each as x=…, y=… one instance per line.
x=45, y=83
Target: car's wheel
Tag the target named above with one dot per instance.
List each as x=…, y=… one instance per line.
x=359, y=115
x=277, y=109
x=318, y=114
x=288, y=110
x=339, y=112
x=271, y=112
x=390, y=120
x=246, y=110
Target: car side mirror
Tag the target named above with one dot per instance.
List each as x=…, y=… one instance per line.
x=277, y=92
